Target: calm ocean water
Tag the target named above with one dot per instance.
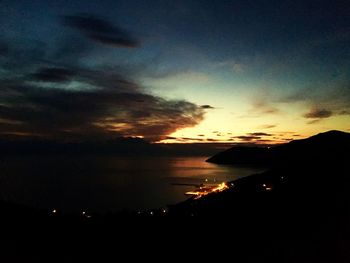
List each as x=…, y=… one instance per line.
x=105, y=183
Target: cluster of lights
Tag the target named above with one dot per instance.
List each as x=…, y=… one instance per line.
x=267, y=187
x=201, y=191
x=85, y=214
x=205, y=190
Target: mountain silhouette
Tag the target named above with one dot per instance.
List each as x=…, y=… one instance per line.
x=304, y=190
x=123, y=146
x=324, y=147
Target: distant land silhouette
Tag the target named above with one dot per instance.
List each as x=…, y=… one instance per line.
x=324, y=147
x=125, y=146
x=116, y=146
x=305, y=190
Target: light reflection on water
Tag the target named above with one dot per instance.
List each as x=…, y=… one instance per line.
x=106, y=183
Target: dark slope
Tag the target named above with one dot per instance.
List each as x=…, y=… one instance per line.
x=323, y=147
x=305, y=191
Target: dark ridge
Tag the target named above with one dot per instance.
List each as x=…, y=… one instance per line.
x=323, y=147
x=125, y=146
x=305, y=192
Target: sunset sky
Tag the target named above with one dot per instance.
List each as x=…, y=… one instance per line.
x=174, y=71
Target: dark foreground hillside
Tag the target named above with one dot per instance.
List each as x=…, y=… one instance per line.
x=327, y=147
x=306, y=190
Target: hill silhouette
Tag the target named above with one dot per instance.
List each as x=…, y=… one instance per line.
x=124, y=146
x=323, y=147
x=305, y=190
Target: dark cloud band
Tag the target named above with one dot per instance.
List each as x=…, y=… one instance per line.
x=59, y=98
x=318, y=114
x=100, y=31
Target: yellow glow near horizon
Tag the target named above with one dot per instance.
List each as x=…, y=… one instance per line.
x=240, y=109
x=221, y=126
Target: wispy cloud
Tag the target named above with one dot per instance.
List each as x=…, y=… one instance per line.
x=100, y=30
x=325, y=100
x=231, y=65
x=247, y=137
x=318, y=114
x=314, y=121
x=260, y=107
x=207, y=107
x=260, y=134
x=100, y=113
x=344, y=112
x=267, y=126
x=53, y=75
x=264, y=107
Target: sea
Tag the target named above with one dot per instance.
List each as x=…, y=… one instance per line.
x=107, y=183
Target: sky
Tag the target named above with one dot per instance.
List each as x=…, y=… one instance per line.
x=174, y=71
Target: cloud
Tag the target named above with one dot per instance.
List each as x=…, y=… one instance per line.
x=260, y=106
x=59, y=113
x=260, y=134
x=19, y=55
x=232, y=65
x=72, y=50
x=53, y=75
x=105, y=111
x=191, y=139
x=238, y=68
x=344, y=112
x=267, y=126
x=212, y=140
x=314, y=121
x=9, y=122
x=101, y=31
x=207, y=107
x=3, y=48
x=318, y=114
x=333, y=95
x=45, y=96
x=248, y=137
x=263, y=140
